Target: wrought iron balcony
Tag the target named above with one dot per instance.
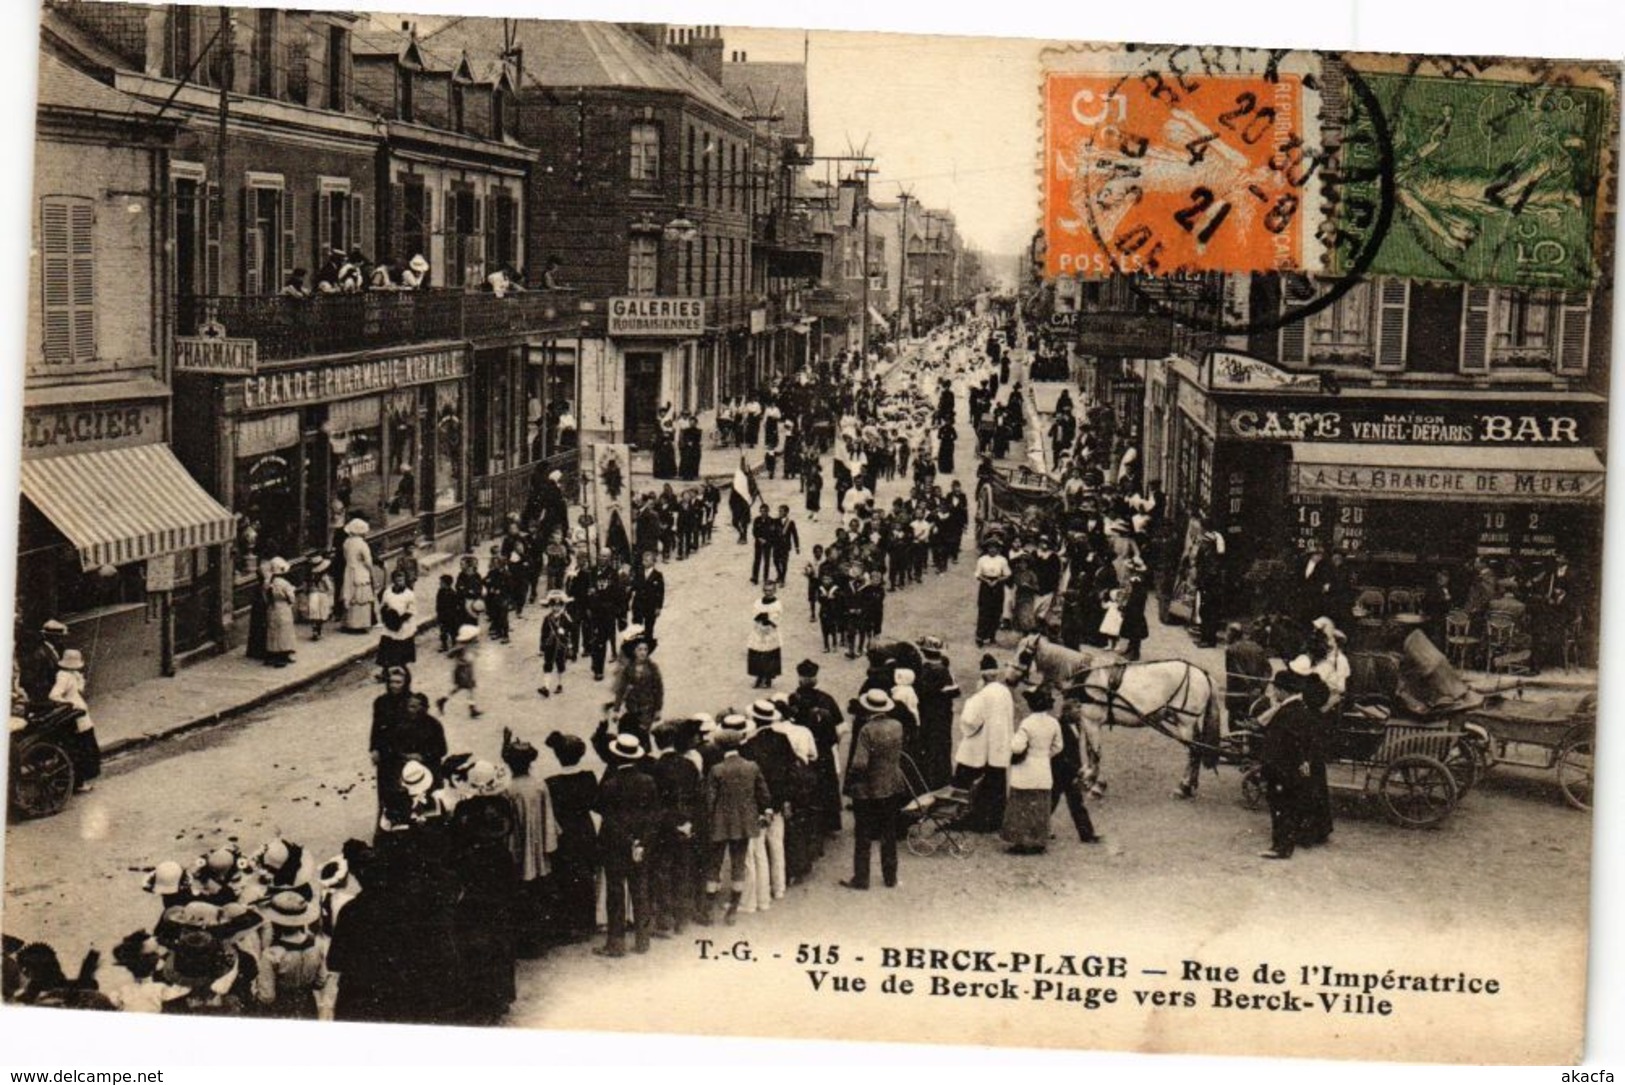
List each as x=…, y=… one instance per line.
x=287, y=327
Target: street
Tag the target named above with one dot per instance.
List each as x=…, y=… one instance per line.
x=1510, y=865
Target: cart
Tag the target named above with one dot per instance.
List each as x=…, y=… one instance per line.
x=933, y=816
x=1555, y=735
x=42, y=771
x=1402, y=765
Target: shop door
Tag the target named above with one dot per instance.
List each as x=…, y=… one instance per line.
x=195, y=602
x=642, y=397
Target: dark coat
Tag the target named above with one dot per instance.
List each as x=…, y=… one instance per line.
x=777, y=759
x=876, y=770
x=737, y=794
x=629, y=804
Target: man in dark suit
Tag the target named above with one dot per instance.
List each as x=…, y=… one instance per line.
x=766, y=530
x=874, y=780
x=629, y=804
x=648, y=593
x=1313, y=586
x=678, y=779
x=1285, y=756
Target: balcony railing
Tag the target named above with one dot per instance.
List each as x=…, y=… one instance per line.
x=286, y=327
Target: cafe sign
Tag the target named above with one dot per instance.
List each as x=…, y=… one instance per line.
x=661, y=318
x=318, y=384
x=1445, y=484
x=1377, y=423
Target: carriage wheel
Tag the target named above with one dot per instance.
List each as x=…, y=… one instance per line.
x=924, y=838
x=1418, y=791
x=42, y=780
x=1574, y=765
x=1253, y=788
x=1467, y=762
x=961, y=844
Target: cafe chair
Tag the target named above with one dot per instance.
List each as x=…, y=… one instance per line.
x=1402, y=601
x=1573, y=637
x=1460, y=645
x=1507, y=652
x=1371, y=603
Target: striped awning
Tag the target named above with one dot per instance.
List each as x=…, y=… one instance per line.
x=124, y=505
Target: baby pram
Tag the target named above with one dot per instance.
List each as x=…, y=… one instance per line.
x=933, y=817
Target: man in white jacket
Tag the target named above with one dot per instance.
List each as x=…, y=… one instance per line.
x=982, y=762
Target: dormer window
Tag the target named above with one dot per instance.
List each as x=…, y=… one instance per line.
x=456, y=106
x=499, y=115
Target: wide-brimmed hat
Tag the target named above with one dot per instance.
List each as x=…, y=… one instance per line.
x=556, y=598
x=932, y=646
x=197, y=960
x=876, y=701
x=72, y=660
x=416, y=778
x=334, y=873
x=166, y=878
x=728, y=738
x=54, y=628
x=357, y=526
x=418, y=264
x=626, y=748
x=486, y=778
x=277, y=566
x=467, y=634
x=320, y=566
x=290, y=909
x=764, y=713
x=1328, y=627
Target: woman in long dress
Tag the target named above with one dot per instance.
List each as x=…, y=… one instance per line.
x=279, y=627
x=1037, y=740
x=357, y=594
x=945, y=448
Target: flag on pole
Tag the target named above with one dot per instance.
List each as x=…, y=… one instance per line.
x=745, y=483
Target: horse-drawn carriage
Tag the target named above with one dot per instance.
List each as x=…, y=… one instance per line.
x=1554, y=735
x=1017, y=495
x=42, y=763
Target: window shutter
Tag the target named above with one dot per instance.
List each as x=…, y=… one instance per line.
x=514, y=254
x=1294, y=333
x=214, y=216
x=251, y=255
x=82, y=218
x=397, y=223
x=1574, y=332
x=1393, y=322
x=290, y=238
x=493, y=251
x=357, y=225
x=1475, y=330
x=56, y=280
x=324, y=230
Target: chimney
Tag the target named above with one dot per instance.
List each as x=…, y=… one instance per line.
x=705, y=51
x=653, y=34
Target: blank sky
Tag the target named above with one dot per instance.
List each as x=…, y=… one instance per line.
x=953, y=119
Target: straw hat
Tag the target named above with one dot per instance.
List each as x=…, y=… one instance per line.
x=72, y=660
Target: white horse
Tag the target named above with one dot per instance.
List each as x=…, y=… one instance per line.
x=1170, y=695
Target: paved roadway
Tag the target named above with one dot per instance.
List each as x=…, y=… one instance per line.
x=1173, y=878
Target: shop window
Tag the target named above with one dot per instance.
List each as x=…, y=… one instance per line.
x=448, y=445
x=68, y=280
x=644, y=162
x=643, y=265
x=355, y=436
x=265, y=489
x=401, y=471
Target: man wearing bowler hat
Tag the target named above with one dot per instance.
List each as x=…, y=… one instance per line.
x=1284, y=754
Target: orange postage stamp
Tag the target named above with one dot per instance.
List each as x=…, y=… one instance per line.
x=1170, y=169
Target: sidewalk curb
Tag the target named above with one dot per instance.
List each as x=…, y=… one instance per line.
x=259, y=700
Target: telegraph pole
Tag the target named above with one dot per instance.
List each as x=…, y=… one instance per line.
x=904, y=196
x=863, y=338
